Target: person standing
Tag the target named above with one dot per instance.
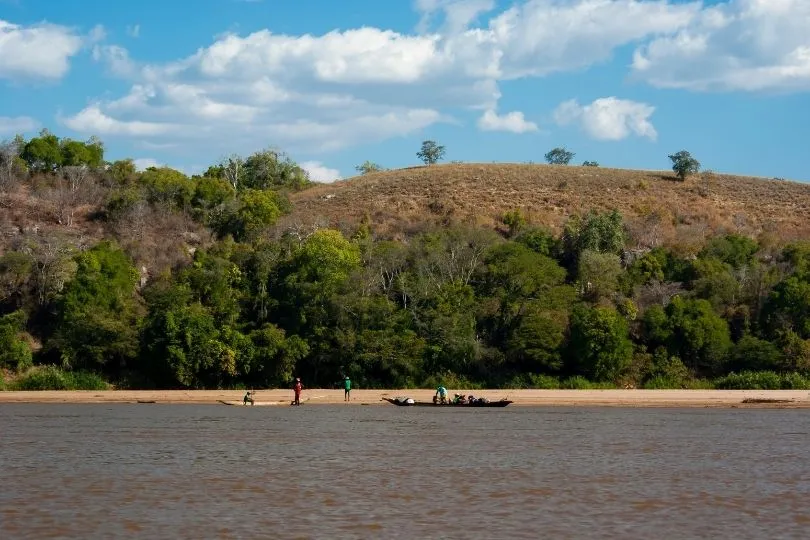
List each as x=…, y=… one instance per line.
x=347, y=388
x=441, y=394
x=297, y=388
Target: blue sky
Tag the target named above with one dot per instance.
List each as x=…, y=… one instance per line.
x=621, y=82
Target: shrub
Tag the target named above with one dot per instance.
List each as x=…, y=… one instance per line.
x=53, y=378
x=581, y=383
x=795, y=381
x=15, y=353
x=543, y=382
x=450, y=380
x=750, y=380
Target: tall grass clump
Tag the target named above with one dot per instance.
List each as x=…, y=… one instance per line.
x=581, y=383
x=53, y=378
x=764, y=380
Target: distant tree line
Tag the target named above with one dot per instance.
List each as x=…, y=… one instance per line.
x=220, y=296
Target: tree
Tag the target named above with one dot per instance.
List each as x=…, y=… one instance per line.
x=43, y=153
x=233, y=168
x=15, y=353
x=515, y=220
x=97, y=325
x=271, y=169
x=683, y=164
x=122, y=171
x=559, y=156
x=9, y=164
x=590, y=164
x=369, y=167
x=600, y=342
x=70, y=188
x=431, y=152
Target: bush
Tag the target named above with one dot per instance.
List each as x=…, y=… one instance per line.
x=795, y=381
x=662, y=382
x=450, y=380
x=53, y=378
x=581, y=383
x=750, y=380
x=543, y=382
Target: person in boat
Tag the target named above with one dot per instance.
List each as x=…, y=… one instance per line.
x=347, y=388
x=297, y=388
x=456, y=399
x=248, y=398
x=441, y=394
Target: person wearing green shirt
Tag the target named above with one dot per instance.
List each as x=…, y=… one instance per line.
x=347, y=387
x=441, y=393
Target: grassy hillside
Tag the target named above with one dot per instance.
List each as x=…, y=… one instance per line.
x=659, y=209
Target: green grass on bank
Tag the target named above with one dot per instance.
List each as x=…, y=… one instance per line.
x=53, y=378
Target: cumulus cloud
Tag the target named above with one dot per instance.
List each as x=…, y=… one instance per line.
x=513, y=121
x=318, y=172
x=40, y=51
x=310, y=93
x=609, y=118
x=749, y=45
x=17, y=124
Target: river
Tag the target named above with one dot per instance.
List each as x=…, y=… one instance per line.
x=322, y=471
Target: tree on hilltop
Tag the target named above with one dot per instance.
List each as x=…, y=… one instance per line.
x=559, y=156
x=369, y=167
x=431, y=152
x=683, y=164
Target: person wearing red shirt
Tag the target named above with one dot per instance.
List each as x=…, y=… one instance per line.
x=297, y=389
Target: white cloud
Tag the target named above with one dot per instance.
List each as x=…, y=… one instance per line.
x=18, y=124
x=608, y=119
x=93, y=120
x=116, y=58
x=458, y=14
x=142, y=164
x=40, y=51
x=749, y=45
x=318, y=172
x=134, y=30
x=513, y=121
x=309, y=93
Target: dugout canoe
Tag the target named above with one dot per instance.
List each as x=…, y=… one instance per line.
x=255, y=404
x=403, y=403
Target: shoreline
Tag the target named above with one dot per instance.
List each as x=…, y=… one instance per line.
x=520, y=398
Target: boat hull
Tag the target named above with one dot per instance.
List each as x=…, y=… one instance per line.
x=255, y=404
x=489, y=404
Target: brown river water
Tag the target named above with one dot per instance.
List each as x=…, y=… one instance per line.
x=322, y=471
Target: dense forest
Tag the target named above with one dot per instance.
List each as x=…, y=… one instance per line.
x=155, y=279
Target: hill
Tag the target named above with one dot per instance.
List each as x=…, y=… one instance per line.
x=658, y=208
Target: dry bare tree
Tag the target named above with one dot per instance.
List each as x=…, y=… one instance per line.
x=9, y=153
x=71, y=185
x=233, y=168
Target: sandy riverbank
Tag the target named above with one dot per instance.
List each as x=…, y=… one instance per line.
x=619, y=398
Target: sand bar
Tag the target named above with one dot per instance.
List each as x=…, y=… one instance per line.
x=616, y=398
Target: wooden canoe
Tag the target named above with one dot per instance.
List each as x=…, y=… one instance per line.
x=500, y=403
x=255, y=403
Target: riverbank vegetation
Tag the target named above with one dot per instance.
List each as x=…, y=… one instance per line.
x=155, y=279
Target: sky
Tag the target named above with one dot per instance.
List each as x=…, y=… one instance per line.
x=621, y=82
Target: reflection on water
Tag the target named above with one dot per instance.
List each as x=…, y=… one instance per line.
x=191, y=471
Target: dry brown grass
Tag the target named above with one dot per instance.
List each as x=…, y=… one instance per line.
x=659, y=209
